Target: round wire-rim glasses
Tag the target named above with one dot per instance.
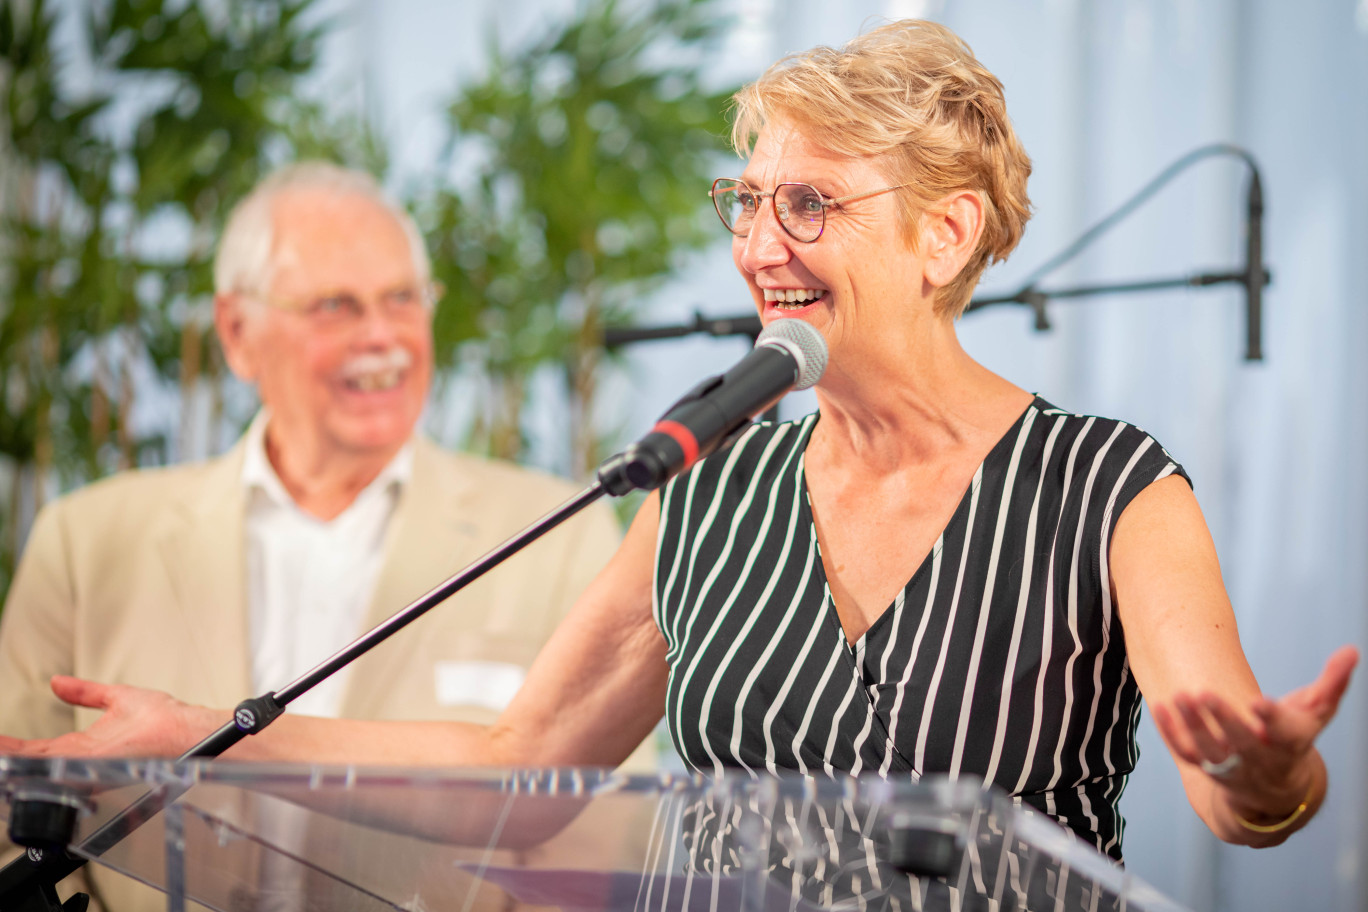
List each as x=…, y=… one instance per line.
x=799, y=208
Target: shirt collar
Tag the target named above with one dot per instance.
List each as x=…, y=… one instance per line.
x=259, y=475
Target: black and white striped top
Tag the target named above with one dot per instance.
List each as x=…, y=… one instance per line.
x=1001, y=658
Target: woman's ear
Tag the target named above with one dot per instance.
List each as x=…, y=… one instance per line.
x=950, y=234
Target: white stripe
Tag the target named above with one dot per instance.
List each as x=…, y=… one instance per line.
x=812, y=705
x=1133, y=757
x=1047, y=634
x=949, y=624
x=985, y=607
x=1116, y=716
x=1095, y=467
x=782, y=696
x=836, y=724
x=697, y=855
x=912, y=659
x=1104, y=546
x=721, y=615
x=1113, y=796
x=872, y=864
x=1027, y=566
x=971, y=852
x=1062, y=890
x=670, y=598
x=670, y=834
x=858, y=744
x=1014, y=864
x=662, y=596
x=1086, y=803
x=899, y=601
x=771, y=638
x=699, y=535
x=773, y=643
x=1104, y=570
x=667, y=593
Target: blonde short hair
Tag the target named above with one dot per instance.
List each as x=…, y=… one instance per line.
x=913, y=92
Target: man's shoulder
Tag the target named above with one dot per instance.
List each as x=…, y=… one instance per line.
x=493, y=477
x=147, y=488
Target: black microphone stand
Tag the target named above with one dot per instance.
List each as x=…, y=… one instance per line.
x=1253, y=275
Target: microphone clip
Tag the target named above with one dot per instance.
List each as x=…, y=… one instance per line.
x=641, y=467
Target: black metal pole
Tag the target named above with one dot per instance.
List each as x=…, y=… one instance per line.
x=742, y=325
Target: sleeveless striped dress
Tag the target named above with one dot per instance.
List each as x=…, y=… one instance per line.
x=1001, y=658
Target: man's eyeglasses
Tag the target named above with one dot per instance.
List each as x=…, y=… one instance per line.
x=405, y=304
x=800, y=208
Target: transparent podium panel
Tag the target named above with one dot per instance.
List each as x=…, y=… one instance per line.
x=244, y=836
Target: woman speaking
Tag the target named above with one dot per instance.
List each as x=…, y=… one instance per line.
x=938, y=572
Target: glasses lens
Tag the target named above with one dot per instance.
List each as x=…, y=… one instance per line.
x=801, y=210
x=735, y=204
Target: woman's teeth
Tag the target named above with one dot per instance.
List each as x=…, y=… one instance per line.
x=792, y=298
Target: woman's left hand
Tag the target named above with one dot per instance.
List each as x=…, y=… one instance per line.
x=1263, y=759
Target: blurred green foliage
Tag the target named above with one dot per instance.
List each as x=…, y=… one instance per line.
x=117, y=115
x=573, y=178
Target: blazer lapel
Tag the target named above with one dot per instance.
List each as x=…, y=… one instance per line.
x=433, y=534
x=204, y=553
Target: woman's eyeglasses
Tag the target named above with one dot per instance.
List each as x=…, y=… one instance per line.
x=800, y=208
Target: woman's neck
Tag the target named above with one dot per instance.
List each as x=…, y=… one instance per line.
x=911, y=400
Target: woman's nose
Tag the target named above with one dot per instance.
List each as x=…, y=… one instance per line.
x=767, y=244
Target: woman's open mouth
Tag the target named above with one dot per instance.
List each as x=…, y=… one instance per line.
x=793, y=298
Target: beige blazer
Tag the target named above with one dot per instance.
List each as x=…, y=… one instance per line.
x=140, y=579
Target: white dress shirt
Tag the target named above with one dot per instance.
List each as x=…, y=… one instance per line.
x=309, y=581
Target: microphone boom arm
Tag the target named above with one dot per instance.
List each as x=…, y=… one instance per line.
x=1253, y=276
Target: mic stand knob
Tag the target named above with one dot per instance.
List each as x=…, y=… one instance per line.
x=44, y=820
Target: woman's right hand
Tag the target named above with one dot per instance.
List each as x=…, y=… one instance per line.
x=136, y=723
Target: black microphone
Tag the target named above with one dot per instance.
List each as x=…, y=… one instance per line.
x=1256, y=277
x=788, y=354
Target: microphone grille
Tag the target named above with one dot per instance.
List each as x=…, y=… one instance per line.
x=804, y=343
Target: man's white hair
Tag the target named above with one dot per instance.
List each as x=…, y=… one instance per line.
x=245, y=263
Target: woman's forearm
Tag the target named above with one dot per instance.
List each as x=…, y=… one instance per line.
x=309, y=739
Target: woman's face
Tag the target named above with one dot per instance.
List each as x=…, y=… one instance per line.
x=860, y=277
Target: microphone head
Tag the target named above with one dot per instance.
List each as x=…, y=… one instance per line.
x=803, y=343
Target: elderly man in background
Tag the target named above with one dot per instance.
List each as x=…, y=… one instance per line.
x=231, y=577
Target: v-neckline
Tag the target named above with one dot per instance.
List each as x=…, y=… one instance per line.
x=805, y=516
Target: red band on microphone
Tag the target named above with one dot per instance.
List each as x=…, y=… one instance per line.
x=682, y=436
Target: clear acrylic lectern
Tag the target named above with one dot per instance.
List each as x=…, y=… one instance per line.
x=247, y=837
